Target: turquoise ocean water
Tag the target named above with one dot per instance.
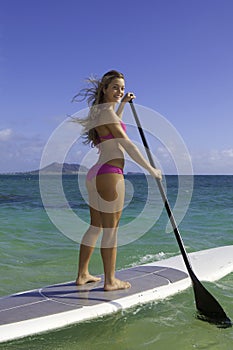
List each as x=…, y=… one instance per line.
x=33, y=253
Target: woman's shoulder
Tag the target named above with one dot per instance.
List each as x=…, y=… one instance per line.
x=109, y=117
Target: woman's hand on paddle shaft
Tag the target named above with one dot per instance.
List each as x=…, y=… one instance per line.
x=156, y=173
x=128, y=97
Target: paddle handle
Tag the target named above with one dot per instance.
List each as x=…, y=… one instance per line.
x=163, y=194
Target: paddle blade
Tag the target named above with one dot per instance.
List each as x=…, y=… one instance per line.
x=208, y=307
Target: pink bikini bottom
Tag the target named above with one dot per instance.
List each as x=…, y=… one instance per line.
x=99, y=169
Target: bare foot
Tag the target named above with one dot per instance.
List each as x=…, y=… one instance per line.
x=83, y=279
x=116, y=284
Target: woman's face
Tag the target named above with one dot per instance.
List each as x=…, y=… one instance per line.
x=115, y=91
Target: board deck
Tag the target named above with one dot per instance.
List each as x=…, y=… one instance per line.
x=59, y=305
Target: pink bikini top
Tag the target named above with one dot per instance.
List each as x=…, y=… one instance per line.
x=110, y=136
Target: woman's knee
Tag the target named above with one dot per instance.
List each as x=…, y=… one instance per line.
x=109, y=238
x=91, y=235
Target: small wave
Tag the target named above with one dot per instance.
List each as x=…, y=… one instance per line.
x=151, y=258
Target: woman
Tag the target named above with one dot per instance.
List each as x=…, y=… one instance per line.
x=105, y=181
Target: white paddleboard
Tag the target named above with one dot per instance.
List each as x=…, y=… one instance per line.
x=60, y=305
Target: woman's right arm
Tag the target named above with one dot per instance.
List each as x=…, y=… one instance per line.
x=122, y=138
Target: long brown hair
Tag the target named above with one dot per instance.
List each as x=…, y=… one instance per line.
x=94, y=95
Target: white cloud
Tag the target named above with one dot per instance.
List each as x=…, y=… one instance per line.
x=5, y=134
x=228, y=153
x=213, y=162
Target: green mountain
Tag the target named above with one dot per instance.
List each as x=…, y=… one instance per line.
x=57, y=168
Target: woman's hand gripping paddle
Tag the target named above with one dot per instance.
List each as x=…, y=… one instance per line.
x=208, y=308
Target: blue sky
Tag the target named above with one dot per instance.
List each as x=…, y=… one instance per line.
x=176, y=56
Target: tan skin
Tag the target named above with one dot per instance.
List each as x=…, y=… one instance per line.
x=106, y=205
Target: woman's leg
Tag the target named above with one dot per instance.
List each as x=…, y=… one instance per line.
x=111, y=189
x=89, y=240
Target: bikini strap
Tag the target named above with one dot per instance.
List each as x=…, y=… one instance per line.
x=110, y=136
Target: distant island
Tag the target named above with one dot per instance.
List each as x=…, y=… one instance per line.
x=55, y=169
x=134, y=173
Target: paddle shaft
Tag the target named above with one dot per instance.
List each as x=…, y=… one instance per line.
x=164, y=197
x=209, y=308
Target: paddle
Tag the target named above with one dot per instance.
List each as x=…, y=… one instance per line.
x=208, y=308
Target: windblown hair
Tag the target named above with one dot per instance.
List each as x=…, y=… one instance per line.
x=94, y=96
